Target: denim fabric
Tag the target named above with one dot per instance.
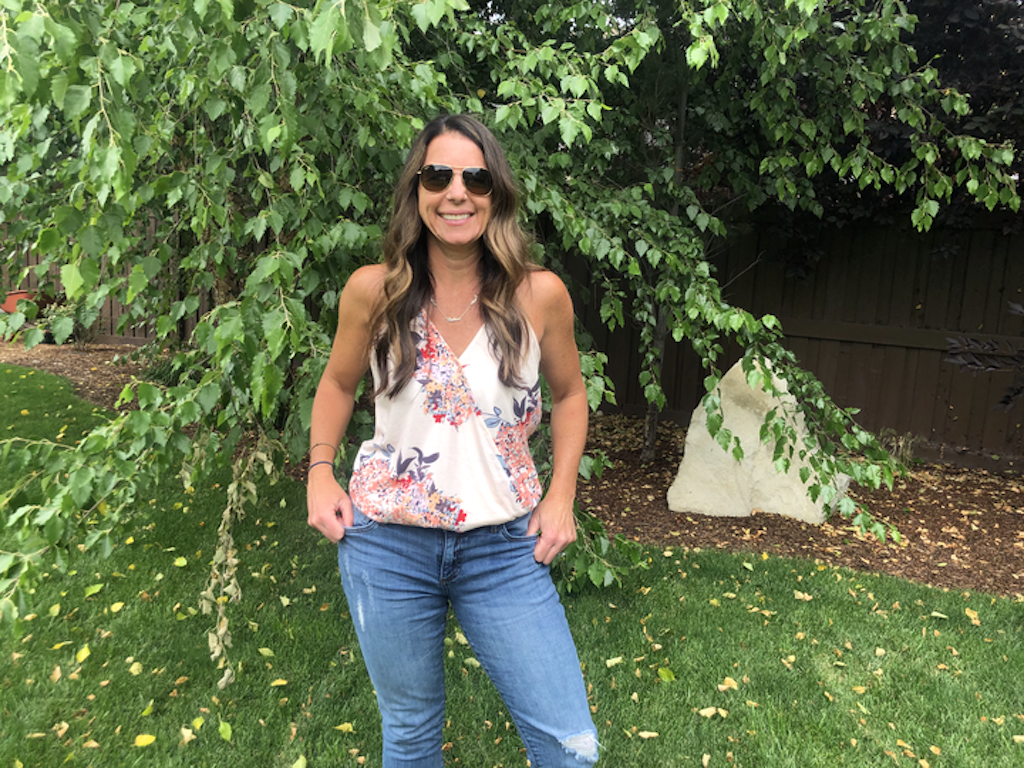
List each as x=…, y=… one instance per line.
x=399, y=581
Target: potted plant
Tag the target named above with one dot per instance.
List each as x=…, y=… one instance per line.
x=11, y=299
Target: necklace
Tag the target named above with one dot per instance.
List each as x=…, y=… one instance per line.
x=455, y=319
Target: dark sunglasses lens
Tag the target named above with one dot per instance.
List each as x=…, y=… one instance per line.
x=435, y=178
x=478, y=181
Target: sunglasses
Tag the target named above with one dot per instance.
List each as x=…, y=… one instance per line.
x=436, y=178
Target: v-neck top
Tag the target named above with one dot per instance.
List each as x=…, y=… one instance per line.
x=451, y=449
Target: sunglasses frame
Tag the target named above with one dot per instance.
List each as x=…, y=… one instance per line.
x=467, y=182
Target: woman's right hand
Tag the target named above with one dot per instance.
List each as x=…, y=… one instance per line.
x=328, y=506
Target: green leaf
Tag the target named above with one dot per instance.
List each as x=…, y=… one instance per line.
x=121, y=69
x=93, y=589
x=76, y=100
x=71, y=277
x=224, y=729
x=137, y=282
x=371, y=36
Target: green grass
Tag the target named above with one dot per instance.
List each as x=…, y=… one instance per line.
x=866, y=671
x=39, y=406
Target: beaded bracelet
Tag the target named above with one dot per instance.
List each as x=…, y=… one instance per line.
x=318, y=462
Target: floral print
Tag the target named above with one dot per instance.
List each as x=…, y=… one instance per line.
x=437, y=459
x=407, y=494
x=512, y=440
x=448, y=397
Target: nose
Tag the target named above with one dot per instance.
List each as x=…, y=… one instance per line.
x=457, y=189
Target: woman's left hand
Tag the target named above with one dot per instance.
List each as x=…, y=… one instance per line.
x=555, y=524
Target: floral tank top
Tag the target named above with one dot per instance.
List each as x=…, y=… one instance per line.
x=451, y=449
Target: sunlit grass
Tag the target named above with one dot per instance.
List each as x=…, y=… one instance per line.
x=40, y=406
x=707, y=656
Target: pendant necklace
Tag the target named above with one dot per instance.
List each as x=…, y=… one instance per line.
x=455, y=319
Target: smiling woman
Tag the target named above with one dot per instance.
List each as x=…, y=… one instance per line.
x=444, y=508
x=455, y=216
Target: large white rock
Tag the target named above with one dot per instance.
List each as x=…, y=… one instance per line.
x=711, y=482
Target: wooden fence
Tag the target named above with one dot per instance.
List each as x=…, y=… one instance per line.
x=871, y=320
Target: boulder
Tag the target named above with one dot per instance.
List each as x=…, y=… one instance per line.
x=711, y=482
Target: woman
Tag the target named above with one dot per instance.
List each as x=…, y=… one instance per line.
x=444, y=506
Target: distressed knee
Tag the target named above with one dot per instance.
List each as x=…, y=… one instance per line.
x=582, y=746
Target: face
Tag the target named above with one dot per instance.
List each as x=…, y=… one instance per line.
x=455, y=218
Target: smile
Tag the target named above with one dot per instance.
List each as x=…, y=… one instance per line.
x=455, y=216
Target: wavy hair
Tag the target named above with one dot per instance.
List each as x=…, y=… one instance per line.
x=408, y=284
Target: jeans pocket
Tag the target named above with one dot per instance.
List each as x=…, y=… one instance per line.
x=360, y=523
x=515, y=530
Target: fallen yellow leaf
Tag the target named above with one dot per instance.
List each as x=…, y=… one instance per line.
x=613, y=662
x=859, y=689
x=116, y=607
x=91, y=744
x=727, y=684
x=144, y=740
x=345, y=728
x=83, y=653
x=973, y=616
x=278, y=683
x=648, y=734
x=187, y=735
x=136, y=668
x=935, y=750
x=708, y=712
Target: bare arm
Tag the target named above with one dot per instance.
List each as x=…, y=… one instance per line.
x=328, y=506
x=554, y=517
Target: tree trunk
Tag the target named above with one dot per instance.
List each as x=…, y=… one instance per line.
x=650, y=448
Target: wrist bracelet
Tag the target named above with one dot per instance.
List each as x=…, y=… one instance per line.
x=319, y=462
x=315, y=445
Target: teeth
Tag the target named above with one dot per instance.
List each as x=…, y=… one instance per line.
x=454, y=216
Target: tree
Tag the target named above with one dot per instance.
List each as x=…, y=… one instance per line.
x=235, y=159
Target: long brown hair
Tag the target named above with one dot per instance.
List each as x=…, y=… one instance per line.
x=407, y=284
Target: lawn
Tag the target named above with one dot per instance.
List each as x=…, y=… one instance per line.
x=706, y=658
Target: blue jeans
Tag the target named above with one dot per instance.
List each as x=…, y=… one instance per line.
x=399, y=581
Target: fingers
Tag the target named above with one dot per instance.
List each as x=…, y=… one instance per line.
x=330, y=514
x=549, y=546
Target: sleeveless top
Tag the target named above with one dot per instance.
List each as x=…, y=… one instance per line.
x=450, y=450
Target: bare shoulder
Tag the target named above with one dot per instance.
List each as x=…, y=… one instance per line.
x=546, y=301
x=544, y=291
x=361, y=294
x=366, y=283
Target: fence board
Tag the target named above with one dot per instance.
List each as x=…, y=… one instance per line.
x=870, y=320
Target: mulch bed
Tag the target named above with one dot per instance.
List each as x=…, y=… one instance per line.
x=961, y=529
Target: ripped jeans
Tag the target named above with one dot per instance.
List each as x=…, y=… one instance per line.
x=399, y=581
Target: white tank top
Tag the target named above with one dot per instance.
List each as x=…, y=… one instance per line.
x=451, y=449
